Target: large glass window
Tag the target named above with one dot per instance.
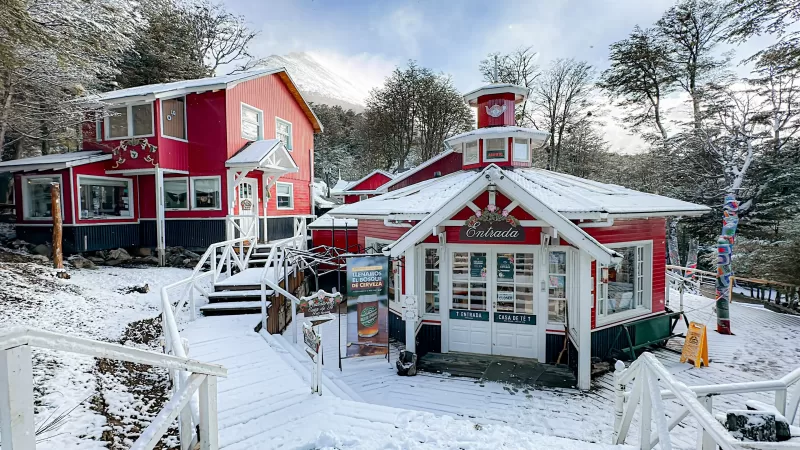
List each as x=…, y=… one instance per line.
x=205, y=193
x=495, y=149
x=173, y=118
x=252, y=123
x=521, y=150
x=130, y=121
x=285, y=195
x=469, y=281
x=104, y=198
x=557, y=287
x=38, y=201
x=118, y=122
x=622, y=287
x=515, y=283
x=432, y=280
x=176, y=193
x=471, y=153
x=283, y=131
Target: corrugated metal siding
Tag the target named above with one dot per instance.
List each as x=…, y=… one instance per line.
x=104, y=237
x=397, y=328
x=376, y=229
x=192, y=234
x=603, y=341
x=554, y=343
x=280, y=228
x=447, y=165
x=374, y=182
x=429, y=339
x=505, y=119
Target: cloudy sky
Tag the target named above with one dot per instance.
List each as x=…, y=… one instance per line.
x=365, y=40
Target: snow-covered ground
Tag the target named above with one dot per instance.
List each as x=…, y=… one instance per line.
x=91, y=304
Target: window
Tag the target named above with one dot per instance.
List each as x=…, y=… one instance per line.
x=622, y=287
x=515, y=283
x=363, y=197
x=557, y=291
x=432, y=280
x=206, y=193
x=173, y=118
x=176, y=193
x=495, y=149
x=130, y=121
x=469, y=281
x=285, y=194
x=283, y=131
x=105, y=198
x=521, y=150
x=37, y=202
x=471, y=153
x=252, y=123
x=98, y=127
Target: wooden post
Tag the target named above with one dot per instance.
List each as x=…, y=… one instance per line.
x=55, y=208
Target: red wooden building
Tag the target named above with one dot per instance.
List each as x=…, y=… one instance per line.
x=186, y=164
x=502, y=258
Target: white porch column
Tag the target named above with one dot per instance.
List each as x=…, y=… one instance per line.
x=584, y=321
x=410, y=289
x=161, y=243
x=16, y=399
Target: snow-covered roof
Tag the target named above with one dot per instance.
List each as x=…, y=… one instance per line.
x=159, y=90
x=263, y=154
x=365, y=178
x=54, y=162
x=512, y=131
x=341, y=186
x=410, y=172
x=573, y=197
x=327, y=221
x=520, y=92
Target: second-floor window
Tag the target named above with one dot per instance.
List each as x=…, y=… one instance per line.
x=285, y=195
x=173, y=118
x=130, y=121
x=252, y=123
x=283, y=131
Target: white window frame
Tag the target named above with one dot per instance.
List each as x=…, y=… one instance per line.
x=25, y=210
x=161, y=119
x=363, y=197
x=642, y=290
x=291, y=131
x=98, y=126
x=291, y=197
x=568, y=282
x=188, y=194
x=244, y=106
x=192, y=181
x=486, y=149
x=477, y=152
x=107, y=126
x=129, y=181
x=421, y=248
x=527, y=151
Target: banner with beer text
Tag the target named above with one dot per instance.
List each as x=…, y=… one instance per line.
x=367, y=305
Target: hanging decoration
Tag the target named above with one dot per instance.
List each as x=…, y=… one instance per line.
x=730, y=220
x=492, y=224
x=496, y=110
x=132, y=147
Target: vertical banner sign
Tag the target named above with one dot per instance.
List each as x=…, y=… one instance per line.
x=367, y=305
x=730, y=220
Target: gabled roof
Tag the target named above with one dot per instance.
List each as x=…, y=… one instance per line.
x=266, y=154
x=159, y=90
x=365, y=178
x=410, y=172
x=340, y=186
x=54, y=162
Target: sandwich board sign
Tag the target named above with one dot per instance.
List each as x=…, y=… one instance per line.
x=695, y=349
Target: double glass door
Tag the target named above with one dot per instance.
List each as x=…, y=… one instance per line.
x=493, y=307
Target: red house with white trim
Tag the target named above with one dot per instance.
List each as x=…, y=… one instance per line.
x=187, y=163
x=502, y=258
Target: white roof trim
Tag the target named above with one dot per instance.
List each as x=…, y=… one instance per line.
x=54, y=162
x=520, y=92
x=498, y=132
x=365, y=178
x=266, y=154
x=408, y=173
x=494, y=175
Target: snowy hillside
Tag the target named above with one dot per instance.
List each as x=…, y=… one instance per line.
x=318, y=83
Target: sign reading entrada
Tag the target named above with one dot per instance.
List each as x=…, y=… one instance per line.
x=492, y=225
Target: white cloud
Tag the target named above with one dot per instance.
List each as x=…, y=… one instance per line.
x=405, y=27
x=364, y=70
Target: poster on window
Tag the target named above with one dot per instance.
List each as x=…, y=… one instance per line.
x=477, y=265
x=505, y=267
x=367, y=305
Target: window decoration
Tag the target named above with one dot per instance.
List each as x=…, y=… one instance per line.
x=557, y=287
x=134, y=149
x=38, y=201
x=285, y=195
x=283, y=131
x=496, y=110
x=105, y=198
x=174, y=120
x=205, y=193
x=492, y=224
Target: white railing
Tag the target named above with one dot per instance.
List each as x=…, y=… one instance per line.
x=276, y=260
x=648, y=375
x=242, y=226
x=17, y=426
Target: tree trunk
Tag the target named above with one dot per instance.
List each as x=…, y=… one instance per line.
x=5, y=110
x=55, y=208
x=730, y=221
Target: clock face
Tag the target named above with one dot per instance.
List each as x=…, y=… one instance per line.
x=496, y=110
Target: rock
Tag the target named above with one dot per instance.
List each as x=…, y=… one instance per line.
x=115, y=262
x=18, y=244
x=752, y=425
x=782, y=429
x=97, y=259
x=41, y=259
x=143, y=251
x=79, y=262
x=119, y=254
x=143, y=289
x=42, y=250
x=191, y=254
x=148, y=260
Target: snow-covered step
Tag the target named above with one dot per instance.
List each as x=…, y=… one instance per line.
x=244, y=307
x=219, y=296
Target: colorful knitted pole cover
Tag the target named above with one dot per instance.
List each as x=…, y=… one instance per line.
x=730, y=219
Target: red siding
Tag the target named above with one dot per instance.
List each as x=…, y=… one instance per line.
x=373, y=182
x=341, y=240
x=501, y=201
x=506, y=119
x=640, y=230
x=271, y=96
x=206, y=130
x=447, y=165
x=376, y=229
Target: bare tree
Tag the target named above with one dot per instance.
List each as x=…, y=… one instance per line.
x=560, y=99
x=756, y=17
x=221, y=37
x=519, y=68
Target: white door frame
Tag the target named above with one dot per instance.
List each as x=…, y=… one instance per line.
x=253, y=183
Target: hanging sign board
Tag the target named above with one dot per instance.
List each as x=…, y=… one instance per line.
x=367, y=305
x=492, y=225
x=695, y=349
x=311, y=339
x=320, y=304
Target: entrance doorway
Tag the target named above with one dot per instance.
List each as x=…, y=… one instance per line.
x=248, y=206
x=494, y=303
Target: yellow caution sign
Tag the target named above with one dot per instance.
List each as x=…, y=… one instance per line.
x=695, y=349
